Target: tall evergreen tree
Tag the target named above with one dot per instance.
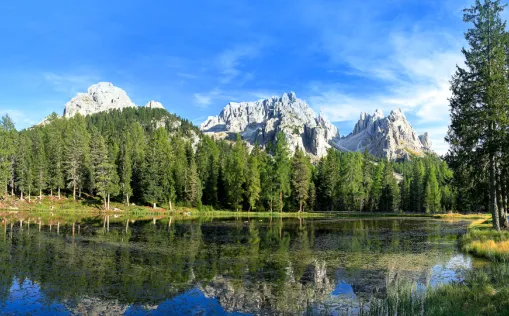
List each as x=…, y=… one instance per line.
x=125, y=165
x=7, y=153
x=417, y=186
x=432, y=192
x=54, y=145
x=40, y=166
x=236, y=173
x=23, y=165
x=480, y=94
x=253, y=185
x=301, y=177
x=101, y=166
x=75, y=151
x=282, y=165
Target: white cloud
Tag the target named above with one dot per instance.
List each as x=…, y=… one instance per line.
x=69, y=83
x=202, y=100
x=408, y=65
x=230, y=65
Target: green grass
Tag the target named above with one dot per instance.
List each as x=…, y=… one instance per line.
x=483, y=292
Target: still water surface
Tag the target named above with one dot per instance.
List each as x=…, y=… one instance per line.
x=219, y=266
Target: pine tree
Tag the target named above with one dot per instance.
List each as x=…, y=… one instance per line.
x=7, y=152
x=417, y=186
x=8, y=142
x=125, y=165
x=282, y=165
x=301, y=177
x=236, y=173
x=253, y=185
x=480, y=95
x=54, y=145
x=158, y=180
x=432, y=193
x=75, y=150
x=23, y=165
x=101, y=166
x=39, y=170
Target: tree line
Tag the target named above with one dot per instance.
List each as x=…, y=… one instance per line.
x=151, y=157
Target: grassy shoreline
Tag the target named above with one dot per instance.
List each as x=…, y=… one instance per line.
x=93, y=206
x=481, y=240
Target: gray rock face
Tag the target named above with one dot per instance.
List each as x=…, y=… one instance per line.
x=102, y=96
x=261, y=120
x=154, y=105
x=389, y=137
x=425, y=141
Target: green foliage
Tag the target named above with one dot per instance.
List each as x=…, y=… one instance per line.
x=146, y=156
x=478, y=133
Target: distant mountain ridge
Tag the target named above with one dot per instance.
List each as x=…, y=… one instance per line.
x=260, y=121
x=390, y=137
x=100, y=97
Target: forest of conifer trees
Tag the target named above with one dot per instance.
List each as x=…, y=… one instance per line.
x=149, y=157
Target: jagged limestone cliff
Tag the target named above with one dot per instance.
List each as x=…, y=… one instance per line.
x=260, y=121
x=390, y=137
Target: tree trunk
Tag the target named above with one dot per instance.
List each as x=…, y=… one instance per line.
x=171, y=206
x=108, y=201
x=503, y=186
x=127, y=199
x=500, y=203
x=281, y=201
x=74, y=191
x=300, y=207
x=493, y=195
x=40, y=194
x=51, y=193
x=21, y=198
x=271, y=205
x=154, y=206
x=29, y=197
x=59, y=193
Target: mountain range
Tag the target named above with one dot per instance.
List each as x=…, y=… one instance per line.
x=259, y=122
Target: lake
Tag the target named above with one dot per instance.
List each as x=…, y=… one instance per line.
x=232, y=266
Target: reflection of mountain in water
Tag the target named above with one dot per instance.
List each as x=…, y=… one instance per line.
x=263, y=267
x=255, y=297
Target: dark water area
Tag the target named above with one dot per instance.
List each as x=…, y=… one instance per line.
x=165, y=266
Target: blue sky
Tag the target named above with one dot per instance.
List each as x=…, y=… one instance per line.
x=342, y=57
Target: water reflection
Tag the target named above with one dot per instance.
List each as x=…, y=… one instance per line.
x=158, y=265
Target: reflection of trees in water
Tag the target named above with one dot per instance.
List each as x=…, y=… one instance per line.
x=254, y=266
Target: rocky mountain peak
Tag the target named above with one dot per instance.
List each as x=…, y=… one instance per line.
x=102, y=96
x=389, y=137
x=154, y=105
x=425, y=141
x=260, y=121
